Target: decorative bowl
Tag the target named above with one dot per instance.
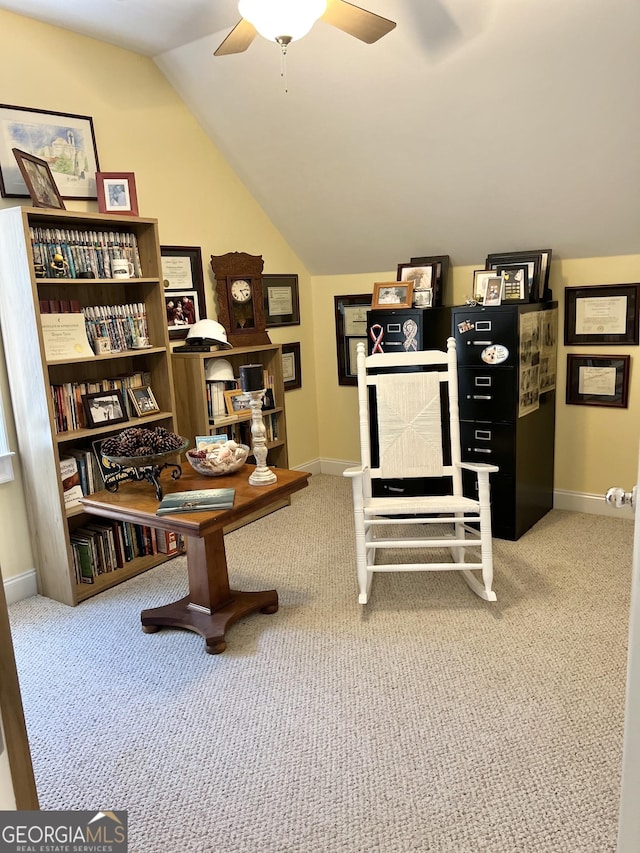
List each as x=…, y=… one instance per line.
x=218, y=462
x=144, y=461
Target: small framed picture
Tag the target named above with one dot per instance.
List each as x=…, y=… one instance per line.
x=480, y=278
x=143, y=400
x=516, y=282
x=424, y=280
x=237, y=401
x=104, y=407
x=598, y=380
x=281, y=300
x=392, y=294
x=117, y=193
x=440, y=277
x=39, y=180
x=495, y=290
x=291, y=373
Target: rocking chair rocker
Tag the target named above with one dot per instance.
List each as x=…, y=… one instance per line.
x=401, y=399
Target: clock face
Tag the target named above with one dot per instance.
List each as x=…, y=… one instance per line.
x=241, y=291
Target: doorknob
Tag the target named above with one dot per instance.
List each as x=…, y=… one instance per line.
x=618, y=498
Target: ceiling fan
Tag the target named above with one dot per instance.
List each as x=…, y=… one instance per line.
x=284, y=21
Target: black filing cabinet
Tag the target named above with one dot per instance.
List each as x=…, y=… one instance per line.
x=391, y=330
x=506, y=381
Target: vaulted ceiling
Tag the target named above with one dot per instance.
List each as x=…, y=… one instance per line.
x=475, y=126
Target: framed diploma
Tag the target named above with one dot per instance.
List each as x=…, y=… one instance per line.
x=291, y=369
x=281, y=300
x=351, y=327
x=598, y=380
x=601, y=314
x=183, y=282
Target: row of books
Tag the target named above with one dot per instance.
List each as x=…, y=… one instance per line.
x=83, y=251
x=106, y=546
x=124, y=325
x=69, y=412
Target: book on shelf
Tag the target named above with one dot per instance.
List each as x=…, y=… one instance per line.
x=71, y=484
x=196, y=500
x=85, y=251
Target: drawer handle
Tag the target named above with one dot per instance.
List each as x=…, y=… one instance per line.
x=479, y=397
x=480, y=450
x=396, y=489
x=479, y=343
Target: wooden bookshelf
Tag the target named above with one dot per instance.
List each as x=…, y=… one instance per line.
x=31, y=375
x=192, y=413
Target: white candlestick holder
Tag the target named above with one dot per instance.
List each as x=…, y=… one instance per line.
x=261, y=476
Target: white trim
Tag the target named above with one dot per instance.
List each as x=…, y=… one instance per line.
x=6, y=467
x=336, y=467
x=313, y=467
x=21, y=586
x=592, y=504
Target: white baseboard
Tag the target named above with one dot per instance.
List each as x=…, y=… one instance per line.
x=21, y=586
x=335, y=466
x=313, y=467
x=593, y=504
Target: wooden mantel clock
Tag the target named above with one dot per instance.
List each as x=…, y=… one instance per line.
x=240, y=301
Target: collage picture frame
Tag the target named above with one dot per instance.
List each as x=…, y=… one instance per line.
x=183, y=281
x=351, y=327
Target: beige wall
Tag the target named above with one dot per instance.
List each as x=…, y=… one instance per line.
x=595, y=447
x=142, y=126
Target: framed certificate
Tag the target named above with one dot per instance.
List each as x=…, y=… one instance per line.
x=601, y=314
x=351, y=327
x=598, y=380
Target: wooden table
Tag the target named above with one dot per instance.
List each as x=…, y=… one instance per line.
x=211, y=606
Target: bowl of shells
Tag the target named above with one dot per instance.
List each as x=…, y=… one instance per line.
x=224, y=457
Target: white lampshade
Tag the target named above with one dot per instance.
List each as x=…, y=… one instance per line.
x=274, y=19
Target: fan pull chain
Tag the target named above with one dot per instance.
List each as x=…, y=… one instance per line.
x=284, y=42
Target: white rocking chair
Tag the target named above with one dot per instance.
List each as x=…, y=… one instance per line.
x=400, y=399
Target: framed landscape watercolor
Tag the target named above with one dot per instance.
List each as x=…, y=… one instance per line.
x=66, y=142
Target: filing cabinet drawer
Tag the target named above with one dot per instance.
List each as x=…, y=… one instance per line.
x=490, y=339
x=488, y=442
x=487, y=393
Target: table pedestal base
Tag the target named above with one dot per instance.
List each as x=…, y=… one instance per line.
x=210, y=625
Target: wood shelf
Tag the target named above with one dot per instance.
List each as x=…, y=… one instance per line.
x=33, y=407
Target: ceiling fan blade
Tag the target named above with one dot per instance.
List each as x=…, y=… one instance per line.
x=366, y=26
x=238, y=39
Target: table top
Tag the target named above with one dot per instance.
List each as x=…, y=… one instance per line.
x=137, y=502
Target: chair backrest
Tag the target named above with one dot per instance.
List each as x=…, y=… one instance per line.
x=409, y=421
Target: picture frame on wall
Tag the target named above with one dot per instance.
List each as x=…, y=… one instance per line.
x=601, y=314
x=351, y=327
x=281, y=299
x=291, y=368
x=441, y=275
x=38, y=180
x=598, y=380
x=64, y=140
x=183, y=279
x=117, y=193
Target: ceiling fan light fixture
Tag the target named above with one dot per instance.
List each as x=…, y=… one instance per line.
x=280, y=19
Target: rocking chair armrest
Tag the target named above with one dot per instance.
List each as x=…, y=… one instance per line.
x=357, y=471
x=478, y=467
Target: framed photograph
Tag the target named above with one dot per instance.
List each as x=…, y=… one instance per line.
x=392, y=294
x=237, y=401
x=480, y=278
x=117, y=193
x=601, y=314
x=598, y=380
x=516, y=282
x=281, y=300
x=538, y=264
x=291, y=372
x=441, y=276
x=494, y=293
x=183, y=281
x=351, y=327
x=424, y=280
x=65, y=141
x=39, y=180
x=144, y=403
x=104, y=407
